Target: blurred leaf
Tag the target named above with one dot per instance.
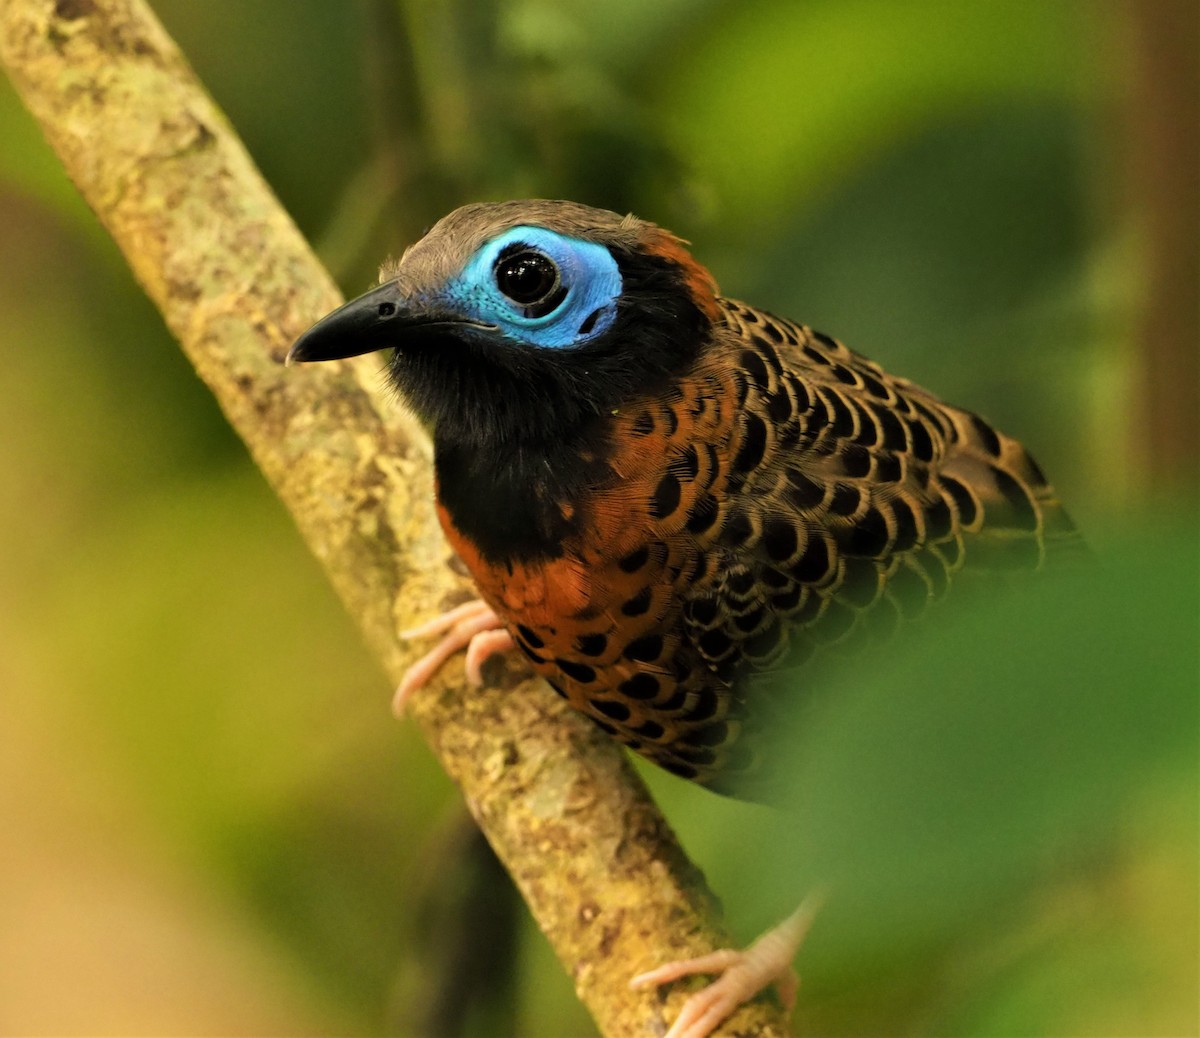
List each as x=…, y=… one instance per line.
x=777, y=101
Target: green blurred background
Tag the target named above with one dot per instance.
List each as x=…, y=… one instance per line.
x=210, y=822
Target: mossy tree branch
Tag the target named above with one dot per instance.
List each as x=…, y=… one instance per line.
x=236, y=282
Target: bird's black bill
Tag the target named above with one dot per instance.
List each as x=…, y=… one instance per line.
x=371, y=322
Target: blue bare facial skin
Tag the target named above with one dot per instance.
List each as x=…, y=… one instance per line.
x=538, y=287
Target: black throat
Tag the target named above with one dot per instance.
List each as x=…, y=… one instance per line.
x=523, y=434
x=522, y=506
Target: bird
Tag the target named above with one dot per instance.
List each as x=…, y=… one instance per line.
x=675, y=504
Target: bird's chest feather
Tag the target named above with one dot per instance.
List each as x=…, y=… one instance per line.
x=598, y=609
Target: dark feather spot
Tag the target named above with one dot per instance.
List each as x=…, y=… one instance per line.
x=906, y=526
x=846, y=375
x=964, y=500
x=640, y=686
x=937, y=519
x=748, y=622
x=800, y=392
x=715, y=644
x=987, y=436
x=802, y=492
x=856, y=460
x=639, y=603
x=701, y=611
x=666, y=496
x=780, y=539
x=888, y=468
x=779, y=406
x=580, y=672
x=738, y=529
x=529, y=653
x=786, y=601
x=843, y=420
x=922, y=444
x=635, y=560
x=1024, y=512
x=774, y=579
x=825, y=340
x=592, y=644
x=613, y=708
x=753, y=445
x=677, y=767
x=813, y=566
x=710, y=735
x=702, y=514
x=643, y=424
x=675, y=702
x=845, y=500
x=651, y=730
x=706, y=705
x=699, y=755
x=817, y=418
x=741, y=582
x=699, y=568
x=671, y=421
x=937, y=419
x=874, y=386
x=529, y=638
x=892, y=428
x=868, y=431
x=607, y=729
x=646, y=649
x=869, y=536
x=756, y=368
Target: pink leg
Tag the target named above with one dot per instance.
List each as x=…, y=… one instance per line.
x=473, y=626
x=743, y=974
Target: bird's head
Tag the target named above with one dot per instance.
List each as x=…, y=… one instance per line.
x=512, y=320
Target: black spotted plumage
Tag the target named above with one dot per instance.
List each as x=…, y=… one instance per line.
x=676, y=514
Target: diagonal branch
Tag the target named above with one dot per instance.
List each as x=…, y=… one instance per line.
x=235, y=283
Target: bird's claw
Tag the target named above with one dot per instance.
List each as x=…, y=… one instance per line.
x=473, y=626
x=743, y=974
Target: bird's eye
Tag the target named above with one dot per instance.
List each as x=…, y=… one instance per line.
x=531, y=280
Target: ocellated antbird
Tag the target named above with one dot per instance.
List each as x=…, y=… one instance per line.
x=671, y=501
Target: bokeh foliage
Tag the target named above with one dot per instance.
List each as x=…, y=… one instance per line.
x=211, y=819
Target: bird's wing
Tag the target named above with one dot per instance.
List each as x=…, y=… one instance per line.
x=851, y=501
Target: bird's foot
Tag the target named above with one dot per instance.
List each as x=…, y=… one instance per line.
x=743, y=974
x=473, y=626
